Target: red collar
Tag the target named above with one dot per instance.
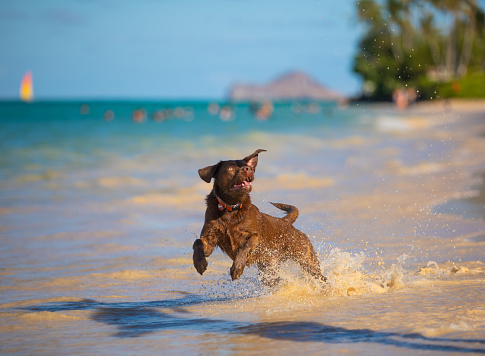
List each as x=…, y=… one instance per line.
x=223, y=205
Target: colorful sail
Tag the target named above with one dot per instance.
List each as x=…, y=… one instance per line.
x=26, y=87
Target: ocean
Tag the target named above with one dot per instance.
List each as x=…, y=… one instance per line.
x=100, y=203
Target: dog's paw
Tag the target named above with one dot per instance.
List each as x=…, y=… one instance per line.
x=200, y=262
x=237, y=270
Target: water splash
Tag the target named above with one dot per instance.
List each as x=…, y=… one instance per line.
x=450, y=269
x=346, y=277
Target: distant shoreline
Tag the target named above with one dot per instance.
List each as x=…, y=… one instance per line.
x=431, y=105
x=454, y=104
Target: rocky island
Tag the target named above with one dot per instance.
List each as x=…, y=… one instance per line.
x=291, y=86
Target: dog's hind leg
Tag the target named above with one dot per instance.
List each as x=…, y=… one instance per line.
x=308, y=261
x=241, y=258
x=313, y=268
x=268, y=274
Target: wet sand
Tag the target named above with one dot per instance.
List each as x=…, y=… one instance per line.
x=100, y=262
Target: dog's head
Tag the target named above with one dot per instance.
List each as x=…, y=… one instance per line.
x=232, y=178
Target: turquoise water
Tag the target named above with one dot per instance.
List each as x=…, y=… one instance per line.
x=58, y=135
x=98, y=213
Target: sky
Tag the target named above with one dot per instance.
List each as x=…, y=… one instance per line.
x=167, y=49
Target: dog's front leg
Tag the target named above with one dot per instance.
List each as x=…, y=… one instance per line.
x=249, y=245
x=203, y=248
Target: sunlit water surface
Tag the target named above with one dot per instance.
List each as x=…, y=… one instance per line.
x=98, y=217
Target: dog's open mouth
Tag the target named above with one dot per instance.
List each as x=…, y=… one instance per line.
x=243, y=185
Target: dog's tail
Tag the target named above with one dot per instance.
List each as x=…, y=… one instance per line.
x=290, y=209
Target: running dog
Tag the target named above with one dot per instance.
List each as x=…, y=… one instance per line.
x=245, y=234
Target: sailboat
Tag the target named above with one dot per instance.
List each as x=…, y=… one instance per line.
x=26, y=87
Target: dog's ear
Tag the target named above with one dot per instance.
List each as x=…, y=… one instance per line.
x=207, y=173
x=252, y=160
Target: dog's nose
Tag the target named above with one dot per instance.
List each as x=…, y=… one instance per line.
x=248, y=169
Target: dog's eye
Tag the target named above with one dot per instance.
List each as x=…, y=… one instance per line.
x=230, y=169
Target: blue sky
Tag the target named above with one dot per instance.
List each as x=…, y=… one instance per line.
x=172, y=49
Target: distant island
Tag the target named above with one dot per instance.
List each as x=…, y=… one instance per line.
x=291, y=86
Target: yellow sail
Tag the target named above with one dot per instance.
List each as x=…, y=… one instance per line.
x=26, y=87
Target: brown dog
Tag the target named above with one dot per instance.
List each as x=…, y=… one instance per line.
x=245, y=234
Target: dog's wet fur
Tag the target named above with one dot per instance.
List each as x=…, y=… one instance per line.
x=245, y=234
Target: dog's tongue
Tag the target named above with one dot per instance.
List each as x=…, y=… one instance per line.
x=244, y=184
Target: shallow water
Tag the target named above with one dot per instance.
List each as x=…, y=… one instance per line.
x=98, y=218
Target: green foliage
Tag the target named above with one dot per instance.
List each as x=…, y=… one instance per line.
x=407, y=44
x=471, y=86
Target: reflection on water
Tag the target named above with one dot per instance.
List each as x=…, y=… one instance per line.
x=464, y=207
x=137, y=319
x=470, y=206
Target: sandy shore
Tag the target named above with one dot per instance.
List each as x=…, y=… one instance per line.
x=468, y=105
